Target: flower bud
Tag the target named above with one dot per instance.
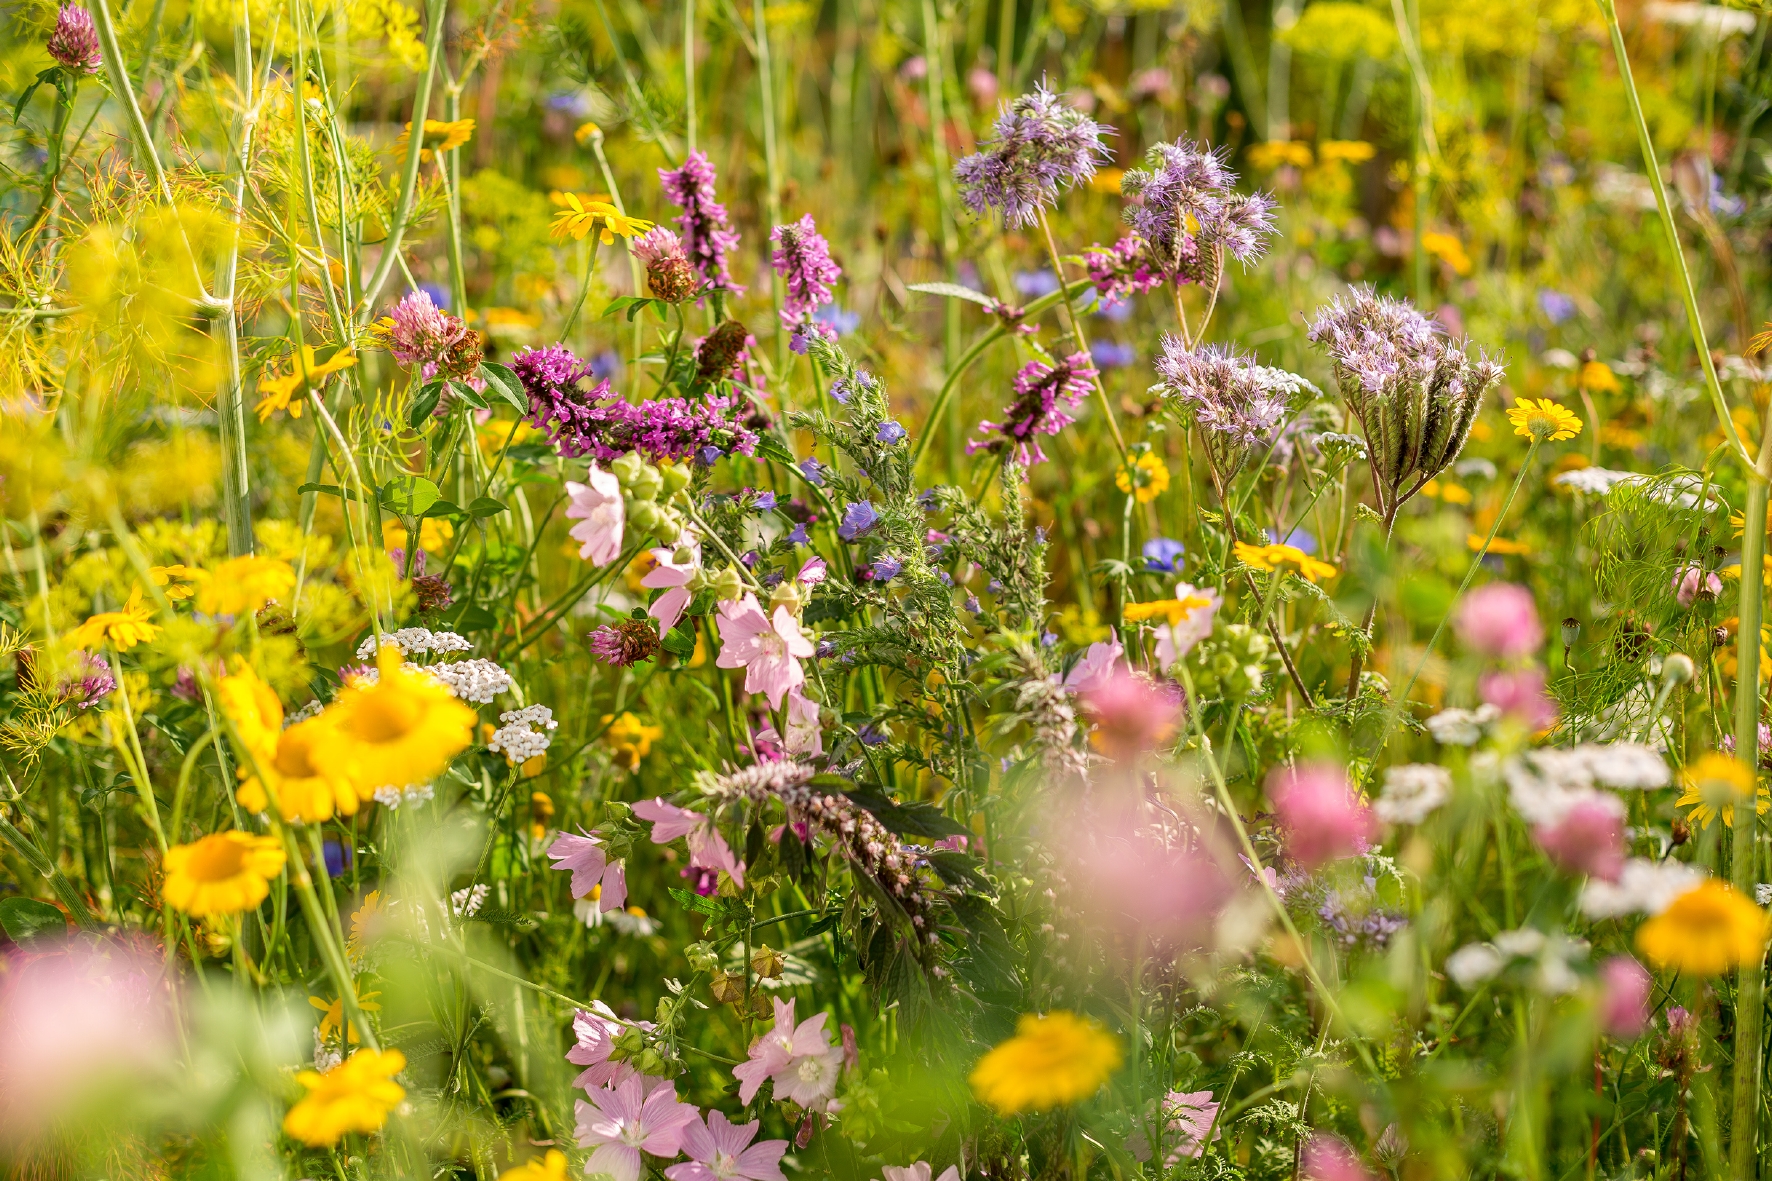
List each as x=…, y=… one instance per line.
x=787, y=593
x=643, y=515
x=1677, y=669
x=627, y=468
x=646, y=483
x=727, y=585
x=701, y=957
x=676, y=477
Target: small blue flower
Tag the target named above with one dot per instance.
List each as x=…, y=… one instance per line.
x=1117, y=311
x=1556, y=306
x=1032, y=284
x=764, y=502
x=826, y=649
x=772, y=579
x=946, y=578
x=889, y=432
x=926, y=500
x=813, y=471
x=1161, y=553
x=842, y=320
x=606, y=365
x=858, y=518
x=886, y=568
x=439, y=296
x=338, y=857
x=1047, y=639
x=995, y=587
x=798, y=535
x=1111, y=354
x=749, y=558
x=973, y=605
x=708, y=455
x=1039, y=535
x=1298, y=539
x=872, y=735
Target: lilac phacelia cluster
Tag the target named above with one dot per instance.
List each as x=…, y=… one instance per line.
x=803, y=259
x=1122, y=269
x=1039, y=390
x=1038, y=147
x=707, y=229
x=597, y=423
x=1235, y=402
x=74, y=43
x=1189, y=215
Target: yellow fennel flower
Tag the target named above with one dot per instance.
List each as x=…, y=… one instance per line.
x=551, y=1167
x=123, y=629
x=242, y=586
x=1706, y=931
x=1543, y=421
x=354, y=1096
x=440, y=136
x=224, y=873
x=1146, y=477
x=629, y=739
x=398, y=732
x=1051, y=1061
x=1276, y=557
x=1713, y=783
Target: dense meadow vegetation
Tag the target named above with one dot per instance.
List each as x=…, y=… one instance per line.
x=885, y=589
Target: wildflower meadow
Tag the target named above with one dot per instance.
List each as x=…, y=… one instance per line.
x=885, y=590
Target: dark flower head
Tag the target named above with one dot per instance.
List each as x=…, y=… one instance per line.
x=718, y=351
x=433, y=594
x=88, y=681
x=668, y=274
x=1039, y=389
x=803, y=259
x=707, y=229
x=74, y=44
x=1039, y=146
x=626, y=643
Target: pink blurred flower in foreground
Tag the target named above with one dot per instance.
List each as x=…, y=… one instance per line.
x=1177, y=635
x=719, y=1151
x=73, y=1016
x=623, y=1121
x=1328, y=1158
x=800, y=1058
x=707, y=848
x=1624, y=997
x=804, y=735
x=1322, y=817
x=591, y=869
x=920, y=1171
x=675, y=577
x=1096, y=667
x=1520, y=695
x=768, y=648
x=1131, y=714
x=1150, y=876
x=1589, y=838
x=598, y=506
x=1187, y=1118
x=595, y=1031
x=1692, y=582
x=1500, y=620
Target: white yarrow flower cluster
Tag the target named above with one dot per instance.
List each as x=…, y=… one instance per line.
x=1544, y=784
x=478, y=680
x=1411, y=792
x=393, y=797
x=465, y=903
x=1462, y=727
x=1643, y=887
x=524, y=733
x=1593, y=481
x=414, y=641
x=1475, y=963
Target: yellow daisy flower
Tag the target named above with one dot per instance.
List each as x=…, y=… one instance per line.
x=1051, y=1061
x=363, y=922
x=176, y=581
x=1713, y=783
x=335, y=1014
x=354, y=1096
x=123, y=629
x=1276, y=557
x=402, y=730
x=281, y=391
x=580, y=217
x=629, y=738
x=1543, y=421
x=224, y=873
x=1598, y=377
x=253, y=707
x=1171, y=611
x=1708, y=930
x=440, y=136
x=1146, y=478
x=551, y=1167
x=242, y=586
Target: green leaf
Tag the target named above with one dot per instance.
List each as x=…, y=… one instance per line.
x=955, y=291
x=52, y=74
x=445, y=508
x=471, y=617
x=770, y=447
x=329, y=490
x=484, y=506
x=679, y=641
x=424, y=403
x=410, y=495
x=26, y=918
x=695, y=902
x=915, y=819
x=505, y=383
x=468, y=394
x=630, y=304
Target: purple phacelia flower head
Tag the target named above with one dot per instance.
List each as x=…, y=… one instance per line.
x=803, y=260
x=707, y=229
x=858, y=518
x=1039, y=389
x=1038, y=147
x=74, y=43
x=1189, y=215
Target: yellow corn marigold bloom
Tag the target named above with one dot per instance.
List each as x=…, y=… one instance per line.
x=1447, y=493
x=363, y=922
x=1051, y=1061
x=629, y=738
x=281, y=391
x=580, y=217
x=354, y=1096
x=1350, y=151
x=1497, y=545
x=440, y=136
x=175, y=580
x=1448, y=249
x=122, y=629
x=1145, y=478
x=401, y=730
x=1171, y=611
x=335, y=1014
x=1713, y=783
x=253, y=708
x=306, y=792
x=1543, y=421
x=242, y=586
x=551, y=1167
x=224, y=873
x=1276, y=557
x=1705, y=932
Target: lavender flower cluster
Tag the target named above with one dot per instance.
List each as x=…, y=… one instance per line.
x=803, y=259
x=1189, y=214
x=1235, y=402
x=707, y=228
x=1039, y=146
x=597, y=423
x=1039, y=387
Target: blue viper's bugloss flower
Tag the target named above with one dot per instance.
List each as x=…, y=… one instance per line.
x=764, y=502
x=813, y=471
x=1161, y=553
x=1033, y=284
x=839, y=320
x=798, y=535
x=889, y=433
x=1556, y=306
x=1111, y=354
x=1038, y=147
x=858, y=518
x=886, y=568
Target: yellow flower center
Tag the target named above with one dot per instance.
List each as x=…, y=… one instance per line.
x=217, y=861
x=385, y=717
x=294, y=760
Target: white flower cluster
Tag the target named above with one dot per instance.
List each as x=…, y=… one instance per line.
x=1763, y=893
x=310, y=710
x=465, y=903
x=1475, y=963
x=477, y=680
x=1593, y=481
x=1643, y=886
x=393, y=797
x=1411, y=792
x=1462, y=727
x=414, y=641
x=1544, y=785
x=524, y=733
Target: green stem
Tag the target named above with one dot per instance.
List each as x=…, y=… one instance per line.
x=1082, y=344
x=421, y=105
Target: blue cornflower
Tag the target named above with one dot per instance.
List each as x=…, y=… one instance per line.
x=764, y=502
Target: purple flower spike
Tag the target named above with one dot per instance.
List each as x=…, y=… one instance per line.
x=707, y=229
x=1235, y=402
x=74, y=44
x=1039, y=146
x=1039, y=388
x=803, y=259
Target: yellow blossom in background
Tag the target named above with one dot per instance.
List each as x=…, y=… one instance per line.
x=551, y=1167
x=122, y=629
x=1544, y=421
x=281, y=391
x=1497, y=545
x=440, y=136
x=224, y=873
x=433, y=534
x=1171, y=611
x=495, y=436
x=242, y=586
x=1275, y=557
x=1146, y=478
x=1705, y=932
x=1345, y=151
x=174, y=580
x=1622, y=437
x=586, y=132
x=306, y=792
x=580, y=217
x=1448, y=249
x=363, y=922
x=252, y=706
x=1597, y=377
x=401, y=730
x=1446, y=493
x=1713, y=783
x=629, y=739
x=1051, y=1061
x=354, y=1096
x=541, y=810
x=334, y=1019
x=1265, y=157
x=1107, y=180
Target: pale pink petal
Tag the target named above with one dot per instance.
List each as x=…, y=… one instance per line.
x=668, y=608
x=615, y=887
x=620, y=1161
x=668, y=821
x=584, y=856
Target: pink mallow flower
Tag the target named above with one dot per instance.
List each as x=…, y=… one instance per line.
x=1140, y=875
x=1520, y=695
x=1322, y=817
x=1131, y=714
x=1500, y=620
x=591, y=869
x=1624, y=997
x=595, y=1031
x=1328, y=1158
x=719, y=1151
x=707, y=848
x=598, y=506
x=804, y=735
x=1098, y=663
x=800, y=1058
x=1187, y=1117
x=675, y=576
x=768, y=648
x=623, y=1121
x=1694, y=581
x=1589, y=838
x=920, y=1171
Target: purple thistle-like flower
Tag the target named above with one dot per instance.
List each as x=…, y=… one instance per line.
x=707, y=229
x=1235, y=402
x=1187, y=212
x=1380, y=342
x=803, y=259
x=626, y=643
x=88, y=682
x=1039, y=388
x=1038, y=147
x=421, y=334
x=668, y=273
x=1121, y=270
x=74, y=44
